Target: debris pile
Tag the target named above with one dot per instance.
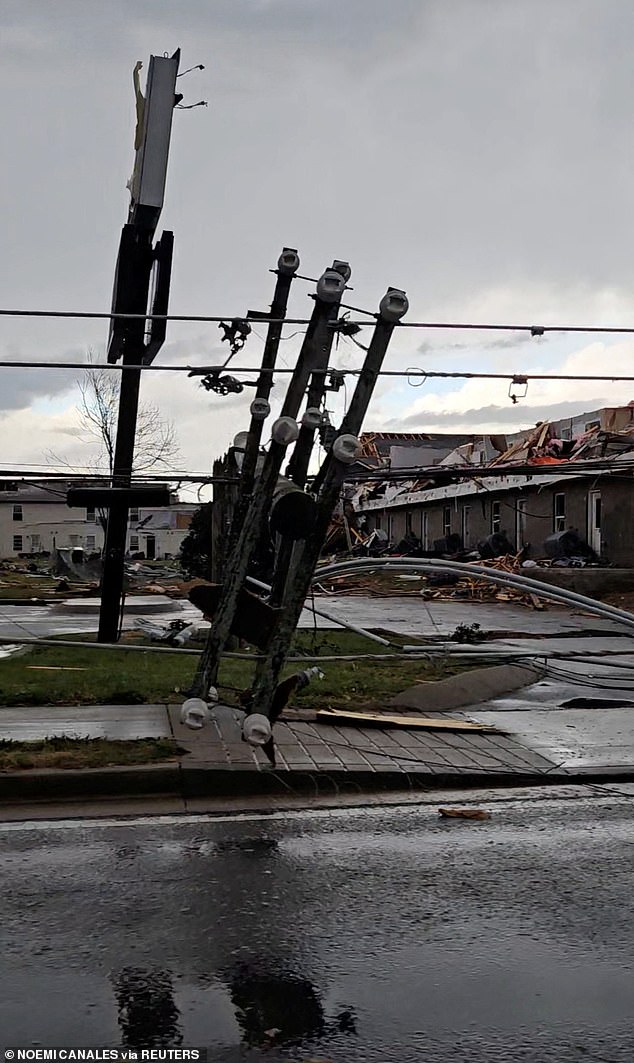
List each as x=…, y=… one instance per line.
x=436, y=586
x=408, y=472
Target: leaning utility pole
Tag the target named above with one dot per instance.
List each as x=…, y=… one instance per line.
x=287, y=266
x=317, y=343
x=344, y=451
x=130, y=338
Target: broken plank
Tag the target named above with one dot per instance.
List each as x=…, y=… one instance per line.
x=385, y=720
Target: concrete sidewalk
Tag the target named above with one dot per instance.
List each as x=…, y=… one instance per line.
x=314, y=758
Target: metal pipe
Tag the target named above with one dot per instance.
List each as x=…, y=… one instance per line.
x=505, y=579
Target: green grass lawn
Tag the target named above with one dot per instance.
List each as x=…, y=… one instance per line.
x=73, y=675
x=84, y=753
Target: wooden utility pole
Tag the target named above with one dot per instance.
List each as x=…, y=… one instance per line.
x=318, y=339
x=130, y=340
x=287, y=266
x=299, y=462
x=329, y=482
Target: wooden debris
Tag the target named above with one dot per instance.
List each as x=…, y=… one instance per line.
x=464, y=813
x=382, y=719
x=55, y=668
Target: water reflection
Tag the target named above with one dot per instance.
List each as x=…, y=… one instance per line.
x=280, y=1006
x=148, y=1016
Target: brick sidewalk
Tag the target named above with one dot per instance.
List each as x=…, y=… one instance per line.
x=310, y=747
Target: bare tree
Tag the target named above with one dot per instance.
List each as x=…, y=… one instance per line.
x=156, y=443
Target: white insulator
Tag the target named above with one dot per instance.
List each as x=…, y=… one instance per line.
x=195, y=713
x=285, y=431
x=260, y=409
x=393, y=305
x=346, y=449
x=256, y=729
x=312, y=417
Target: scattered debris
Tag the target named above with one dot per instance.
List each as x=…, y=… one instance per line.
x=464, y=813
x=382, y=719
x=55, y=668
x=596, y=703
x=468, y=633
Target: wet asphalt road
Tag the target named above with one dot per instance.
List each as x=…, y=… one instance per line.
x=348, y=936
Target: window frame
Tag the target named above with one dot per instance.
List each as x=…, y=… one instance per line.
x=559, y=518
x=446, y=521
x=496, y=517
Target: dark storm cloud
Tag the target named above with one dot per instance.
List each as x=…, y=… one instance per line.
x=21, y=387
x=454, y=149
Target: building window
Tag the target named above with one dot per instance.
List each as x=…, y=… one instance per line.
x=496, y=517
x=17, y=513
x=74, y=540
x=559, y=513
x=466, y=526
x=134, y=514
x=90, y=542
x=17, y=542
x=134, y=542
x=90, y=514
x=446, y=521
x=520, y=523
x=36, y=544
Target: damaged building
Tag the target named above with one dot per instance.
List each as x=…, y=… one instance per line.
x=563, y=488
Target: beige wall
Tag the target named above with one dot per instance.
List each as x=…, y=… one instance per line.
x=49, y=526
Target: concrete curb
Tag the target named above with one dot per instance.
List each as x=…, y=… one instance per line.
x=172, y=780
x=33, y=784
x=468, y=688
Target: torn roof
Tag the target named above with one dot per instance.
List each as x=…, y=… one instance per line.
x=606, y=434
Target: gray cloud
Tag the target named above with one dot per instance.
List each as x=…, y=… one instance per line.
x=456, y=150
x=22, y=387
x=504, y=343
x=522, y=416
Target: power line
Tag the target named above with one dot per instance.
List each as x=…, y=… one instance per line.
x=424, y=374
x=33, y=477
x=533, y=330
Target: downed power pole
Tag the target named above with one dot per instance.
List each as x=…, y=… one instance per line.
x=328, y=483
x=287, y=266
x=318, y=338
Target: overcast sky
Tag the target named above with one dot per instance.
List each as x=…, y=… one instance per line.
x=477, y=153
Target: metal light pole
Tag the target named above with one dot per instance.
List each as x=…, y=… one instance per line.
x=129, y=339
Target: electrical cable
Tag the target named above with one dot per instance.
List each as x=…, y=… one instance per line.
x=466, y=326
x=120, y=367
